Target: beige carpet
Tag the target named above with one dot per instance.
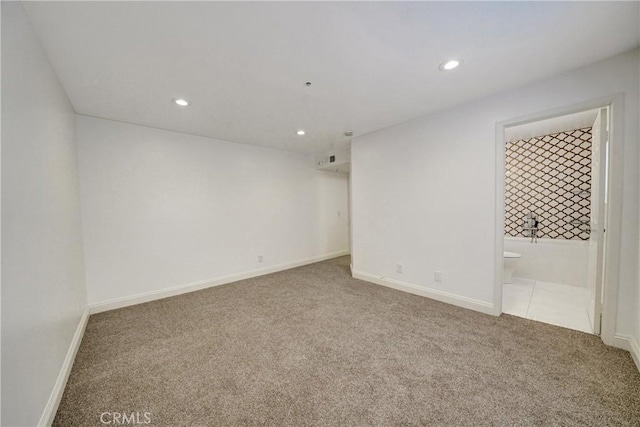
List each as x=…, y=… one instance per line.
x=312, y=346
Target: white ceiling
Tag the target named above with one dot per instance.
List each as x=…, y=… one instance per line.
x=550, y=126
x=243, y=65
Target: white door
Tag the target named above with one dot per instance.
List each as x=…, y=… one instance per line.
x=597, y=220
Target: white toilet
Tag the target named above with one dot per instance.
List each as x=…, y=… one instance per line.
x=510, y=262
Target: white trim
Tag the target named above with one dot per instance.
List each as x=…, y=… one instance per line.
x=547, y=241
x=203, y=284
x=614, y=207
x=635, y=352
x=629, y=344
x=498, y=246
x=50, y=410
x=614, y=219
x=457, y=300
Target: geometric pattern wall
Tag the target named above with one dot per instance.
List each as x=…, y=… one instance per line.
x=550, y=176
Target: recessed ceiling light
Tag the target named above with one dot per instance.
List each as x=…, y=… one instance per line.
x=450, y=64
x=181, y=102
x=300, y=132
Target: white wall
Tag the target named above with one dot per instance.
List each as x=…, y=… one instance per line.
x=431, y=184
x=163, y=209
x=551, y=260
x=43, y=292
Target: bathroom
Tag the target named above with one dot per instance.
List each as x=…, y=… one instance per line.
x=554, y=202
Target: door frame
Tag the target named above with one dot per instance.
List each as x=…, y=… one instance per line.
x=612, y=236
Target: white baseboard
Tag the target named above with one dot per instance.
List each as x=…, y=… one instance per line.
x=457, y=300
x=629, y=344
x=203, y=284
x=50, y=410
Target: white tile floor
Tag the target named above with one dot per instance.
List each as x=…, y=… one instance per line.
x=560, y=305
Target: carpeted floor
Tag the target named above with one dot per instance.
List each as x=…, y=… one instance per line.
x=312, y=346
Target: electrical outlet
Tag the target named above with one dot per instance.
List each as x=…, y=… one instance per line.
x=260, y=258
x=338, y=213
x=399, y=268
x=437, y=276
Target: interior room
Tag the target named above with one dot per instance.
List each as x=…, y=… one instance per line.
x=550, y=181
x=320, y=213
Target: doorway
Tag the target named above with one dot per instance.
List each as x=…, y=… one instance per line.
x=555, y=261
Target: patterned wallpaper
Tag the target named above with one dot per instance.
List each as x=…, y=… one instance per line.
x=550, y=176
